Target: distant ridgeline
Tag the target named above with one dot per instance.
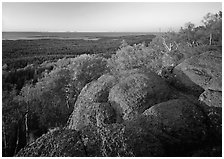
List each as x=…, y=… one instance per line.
x=67, y=35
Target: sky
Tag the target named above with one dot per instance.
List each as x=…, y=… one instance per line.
x=100, y=17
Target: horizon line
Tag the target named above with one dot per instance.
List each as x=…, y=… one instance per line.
x=90, y=31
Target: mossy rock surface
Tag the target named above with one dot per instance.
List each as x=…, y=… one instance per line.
x=59, y=143
x=173, y=128
x=115, y=140
x=137, y=92
x=178, y=122
x=91, y=100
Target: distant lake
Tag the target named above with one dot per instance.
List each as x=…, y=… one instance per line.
x=66, y=35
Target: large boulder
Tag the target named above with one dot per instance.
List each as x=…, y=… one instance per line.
x=178, y=123
x=200, y=72
x=213, y=145
x=136, y=92
x=92, y=99
x=173, y=128
x=121, y=140
x=59, y=143
x=214, y=121
x=142, y=143
x=114, y=140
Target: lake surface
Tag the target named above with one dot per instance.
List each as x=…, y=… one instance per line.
x=66, y=35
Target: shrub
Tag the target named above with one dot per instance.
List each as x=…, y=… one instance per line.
x=132, y=57
x=86, y=68
x=53, y=97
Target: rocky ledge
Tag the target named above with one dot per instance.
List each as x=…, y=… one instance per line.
x=139, y=113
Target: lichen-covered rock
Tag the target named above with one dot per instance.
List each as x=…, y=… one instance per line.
x=105, y=114
x=122, y=140
x=173, y=128
x=136, y=92
x=181, y=122
x=129, y=139
x=92, y=141
x=211, y=98
x=214, y=117
x=93, y=96
x=215, y=151
x=200, y=73
x=141, y=142
x=59, y=143
x=114, y=140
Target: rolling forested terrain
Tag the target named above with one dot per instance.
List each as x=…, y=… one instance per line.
x=19, y=53
x=140, y=95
